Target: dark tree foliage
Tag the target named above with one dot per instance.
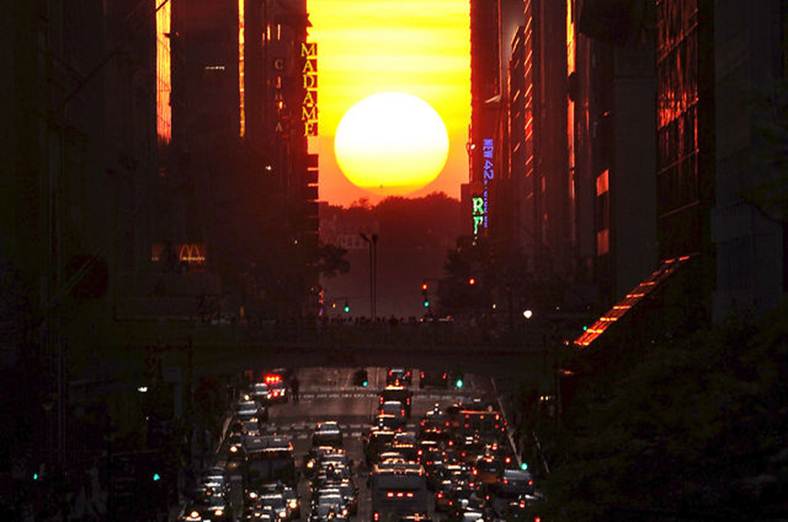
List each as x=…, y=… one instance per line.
x=693, y=429
x=331, y=260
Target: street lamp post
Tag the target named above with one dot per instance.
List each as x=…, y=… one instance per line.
x=372, y=242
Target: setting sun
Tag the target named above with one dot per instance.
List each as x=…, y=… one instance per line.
x=420, y=47
x=391, y=143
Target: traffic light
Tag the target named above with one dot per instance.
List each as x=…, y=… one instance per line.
x=459, y=380
x=585, y=328
x=425, y=296
x=361, y=378
x=346, y=308
x=156, y=477
x=471, y=281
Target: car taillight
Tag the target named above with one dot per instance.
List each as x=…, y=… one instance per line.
x=444, y=376
x=530, y=482
x=522, y=503
x=537, y=519
x=508, y=460
x=390, y=494
x=376, y=516
x=475, y=472
x=440, y=494
x=505, y=481
x=402, y=413
x=381, y=400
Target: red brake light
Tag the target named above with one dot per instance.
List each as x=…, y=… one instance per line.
x=376, y=516
x=389, y=495
x=530, y=482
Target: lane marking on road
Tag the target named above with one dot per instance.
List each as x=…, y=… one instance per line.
x=320, y=395
x=333, y=395
x=302, y=436
x=355, y=434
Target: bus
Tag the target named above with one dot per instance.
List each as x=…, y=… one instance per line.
x=397, y=491
x=269, y=459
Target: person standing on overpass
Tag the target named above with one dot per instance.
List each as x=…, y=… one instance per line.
x=294, y=385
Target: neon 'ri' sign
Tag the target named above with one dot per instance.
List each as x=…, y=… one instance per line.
x=488, y=171
x=477, y=213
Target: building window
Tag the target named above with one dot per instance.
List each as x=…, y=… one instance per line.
x=602, y=242
x=602, y=183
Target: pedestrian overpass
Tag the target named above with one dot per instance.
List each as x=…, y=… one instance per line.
x=210, y=349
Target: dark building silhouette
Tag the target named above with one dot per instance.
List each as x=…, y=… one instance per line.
x=747, y=231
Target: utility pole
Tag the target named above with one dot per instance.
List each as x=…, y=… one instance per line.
x=372, y=243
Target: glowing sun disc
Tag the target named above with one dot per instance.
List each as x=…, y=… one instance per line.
x=391, y=143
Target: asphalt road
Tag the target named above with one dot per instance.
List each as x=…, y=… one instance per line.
x=329, y=394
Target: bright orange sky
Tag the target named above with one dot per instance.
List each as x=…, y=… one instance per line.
x=421, y=47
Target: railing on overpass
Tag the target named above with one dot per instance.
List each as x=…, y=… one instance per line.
x=340, y=334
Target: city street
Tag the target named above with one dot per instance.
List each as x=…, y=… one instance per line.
x=329, y=394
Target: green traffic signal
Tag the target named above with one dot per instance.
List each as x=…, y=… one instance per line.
x=426, y=303
x=365, y=383
x=458, y=383
x=346, y=309
x=35, y=476
x=524, y=466
x=156, y=477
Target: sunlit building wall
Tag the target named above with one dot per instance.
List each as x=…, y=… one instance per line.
x=163, y=70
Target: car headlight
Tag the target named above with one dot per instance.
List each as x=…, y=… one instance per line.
x=254, y=419
x=283, y=514
x=293, y=503
x=252, y=495
x=344, y=512
x=310, y=464
x=233, y=449
x=219, y=512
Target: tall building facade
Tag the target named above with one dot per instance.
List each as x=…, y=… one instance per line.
x=612, y=88
x=483, y=154
x=747, y=228
x=238, y=177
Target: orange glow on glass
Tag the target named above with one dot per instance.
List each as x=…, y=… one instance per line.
x=241, y=80
x=163, y=71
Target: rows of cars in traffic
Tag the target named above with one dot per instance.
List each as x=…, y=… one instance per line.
x=458, y=454
x=455, y=460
